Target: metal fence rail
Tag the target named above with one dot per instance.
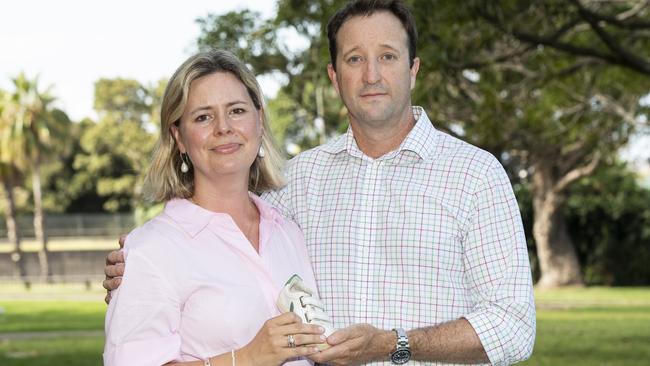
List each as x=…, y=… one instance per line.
x=65, y=225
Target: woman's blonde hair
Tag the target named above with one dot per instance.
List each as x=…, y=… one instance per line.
x=164, y=179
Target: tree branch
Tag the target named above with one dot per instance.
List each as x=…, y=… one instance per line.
x=626, y=58
x=577, y=173
x=619, y=56
x=494, y=60
x=620, y=20
x=634, y=11
x=617, y=109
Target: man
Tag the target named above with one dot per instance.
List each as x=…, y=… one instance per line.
x=407, y=227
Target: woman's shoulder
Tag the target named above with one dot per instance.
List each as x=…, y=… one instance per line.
x=285, y=224
x=270, y=212
x=160, y=232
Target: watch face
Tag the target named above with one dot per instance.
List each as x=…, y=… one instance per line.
x=401, y=356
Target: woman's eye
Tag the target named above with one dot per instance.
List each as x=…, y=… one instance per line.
x=202, y=118
x=238, y=111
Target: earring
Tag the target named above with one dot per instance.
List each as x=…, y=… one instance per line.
x=262, y=152
x=185, y=166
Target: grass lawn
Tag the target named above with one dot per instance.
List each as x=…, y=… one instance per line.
x=40, y=316
x=68, y=351
x=610, y=335
x=592, y=326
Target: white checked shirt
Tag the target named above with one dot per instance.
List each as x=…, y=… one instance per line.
x=428, y=233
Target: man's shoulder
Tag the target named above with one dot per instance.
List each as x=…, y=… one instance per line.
x=331, y=147
x=320, y=155
x=463, y=153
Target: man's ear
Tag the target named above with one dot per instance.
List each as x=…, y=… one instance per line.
x=414, y=71
x=176, y=133
x=332, y=75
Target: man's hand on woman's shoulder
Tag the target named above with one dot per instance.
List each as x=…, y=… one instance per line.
x=114, y=270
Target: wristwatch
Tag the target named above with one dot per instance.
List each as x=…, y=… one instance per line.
x=402, y=352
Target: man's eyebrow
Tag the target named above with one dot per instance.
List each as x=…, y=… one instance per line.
x=386, y=45
x=355, y=48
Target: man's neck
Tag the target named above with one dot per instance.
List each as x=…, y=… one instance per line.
x=376, y=141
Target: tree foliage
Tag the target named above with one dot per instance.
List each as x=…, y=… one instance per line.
x=551, y=87
x=115, y=151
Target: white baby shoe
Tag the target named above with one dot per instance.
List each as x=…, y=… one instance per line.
x=297, y=298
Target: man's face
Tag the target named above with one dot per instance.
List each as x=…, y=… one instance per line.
x=372, y=73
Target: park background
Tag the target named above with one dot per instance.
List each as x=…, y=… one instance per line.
x=557, y=90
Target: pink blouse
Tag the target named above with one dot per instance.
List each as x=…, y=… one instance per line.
x=194, y=287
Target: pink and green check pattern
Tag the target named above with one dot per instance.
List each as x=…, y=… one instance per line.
x=428, y=233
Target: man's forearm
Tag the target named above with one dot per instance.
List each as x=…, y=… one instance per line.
x=454, y=342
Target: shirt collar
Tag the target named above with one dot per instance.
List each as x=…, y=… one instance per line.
x=193, y=218
x=420, y=140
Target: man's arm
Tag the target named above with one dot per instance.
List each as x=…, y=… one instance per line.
x=500, y=328
x=498, y=276
x=452, y=342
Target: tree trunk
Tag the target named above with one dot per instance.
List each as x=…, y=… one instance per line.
x=39, y=222
x=12, y=230
x=558, y=261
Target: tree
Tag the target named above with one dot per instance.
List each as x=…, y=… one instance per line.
x=34, y=124
x=307, y=98
x=549, y=114
x=552, y=88
x=115, y=151
x=10, y=176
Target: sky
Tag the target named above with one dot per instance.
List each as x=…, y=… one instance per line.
x=70, y=44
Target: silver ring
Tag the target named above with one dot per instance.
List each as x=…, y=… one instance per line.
x=291, y=341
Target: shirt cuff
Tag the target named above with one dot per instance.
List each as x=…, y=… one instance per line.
x=505, y=340
x=154, y=352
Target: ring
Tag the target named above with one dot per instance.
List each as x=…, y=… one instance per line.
x=291, y=341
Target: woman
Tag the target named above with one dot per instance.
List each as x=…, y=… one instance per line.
x=202, y=278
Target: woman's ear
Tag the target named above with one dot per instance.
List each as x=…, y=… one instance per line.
x=262, y=115
x=176, y=133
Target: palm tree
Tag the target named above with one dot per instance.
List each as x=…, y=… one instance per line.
x=34, y=124
x=9, y=176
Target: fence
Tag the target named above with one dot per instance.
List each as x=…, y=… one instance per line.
x=75, y=225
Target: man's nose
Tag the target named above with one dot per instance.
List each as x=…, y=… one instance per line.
x=371, y=73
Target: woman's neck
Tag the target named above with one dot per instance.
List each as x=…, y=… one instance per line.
x=234, y=201
x=231, y=198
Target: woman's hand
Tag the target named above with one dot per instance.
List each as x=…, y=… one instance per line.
x=271, y=343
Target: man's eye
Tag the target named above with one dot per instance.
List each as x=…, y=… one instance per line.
x=388, y=57
x=354, y=59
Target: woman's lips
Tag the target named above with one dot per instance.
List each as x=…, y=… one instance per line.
x=226, y=148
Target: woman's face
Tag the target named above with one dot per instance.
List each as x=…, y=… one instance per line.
x=220, y=128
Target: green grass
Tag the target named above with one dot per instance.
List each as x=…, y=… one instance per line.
x=590, y=326
x=39, y=316
x=594, y=295
x=69, y=351
x=611, y=335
